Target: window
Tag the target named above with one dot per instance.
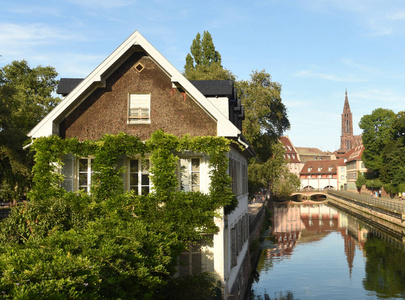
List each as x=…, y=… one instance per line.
x=139, y=176
x=190, y=261
x=190, y=174
x=139, y=108
x=85, y=172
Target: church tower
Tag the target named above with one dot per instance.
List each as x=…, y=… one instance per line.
x=346, y=139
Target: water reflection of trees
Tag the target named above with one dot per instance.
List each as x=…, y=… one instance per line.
x=288, y=295
x=385, y=268
x=384, y=251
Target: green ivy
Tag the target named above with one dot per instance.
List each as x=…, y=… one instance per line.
x=108, y=244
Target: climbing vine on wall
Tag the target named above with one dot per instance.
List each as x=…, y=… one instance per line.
x=109, y=242
x=107, y=180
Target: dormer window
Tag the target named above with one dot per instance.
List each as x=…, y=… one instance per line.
x=139, y=109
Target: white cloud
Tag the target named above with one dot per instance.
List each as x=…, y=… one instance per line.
x=21, y=35
x=104, y=4
x=397, y=16
x=330, y=77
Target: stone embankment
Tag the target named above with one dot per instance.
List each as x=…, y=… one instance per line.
x=387, y=213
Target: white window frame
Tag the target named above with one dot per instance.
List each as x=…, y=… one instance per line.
x=139, y=108
x=89, y=172
x=186, y=174
x=140, y=173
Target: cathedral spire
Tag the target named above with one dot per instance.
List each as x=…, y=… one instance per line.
x=346, y=105
x=347, y=127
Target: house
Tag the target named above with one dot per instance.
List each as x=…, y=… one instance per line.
x=135, y=90
x=319, y=175
x=354, y=164
x=310, y=154
x=291, y=156
x=341, y=174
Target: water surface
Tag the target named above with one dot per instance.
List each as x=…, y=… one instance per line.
x=314, y=251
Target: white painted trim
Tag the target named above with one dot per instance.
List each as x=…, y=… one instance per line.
x=97, y=77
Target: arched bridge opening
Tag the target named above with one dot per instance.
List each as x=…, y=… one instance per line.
x=309, y=195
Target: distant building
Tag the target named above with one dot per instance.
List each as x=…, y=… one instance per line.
x=310, y=154
x=347, y=139
x=354, y=164
x=291, y=155
x=319, y=175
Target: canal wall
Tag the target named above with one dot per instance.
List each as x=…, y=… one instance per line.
x=388, y=220
x=257, y=216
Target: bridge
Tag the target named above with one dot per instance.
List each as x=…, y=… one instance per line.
x=316, y=195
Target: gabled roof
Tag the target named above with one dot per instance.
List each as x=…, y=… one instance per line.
x=355, y=153
x=66, y=85
x=97, y=78
x=291, y=153
x=311, y=167
x=310, y=151
x=215, y=88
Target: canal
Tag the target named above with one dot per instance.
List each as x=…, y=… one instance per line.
x=316, y=251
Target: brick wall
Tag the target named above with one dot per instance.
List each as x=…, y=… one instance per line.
x=105, y=110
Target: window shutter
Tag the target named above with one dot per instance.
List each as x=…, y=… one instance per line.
x=139, y=100
x=247, y=226
x=233, y=247
x=68, y=170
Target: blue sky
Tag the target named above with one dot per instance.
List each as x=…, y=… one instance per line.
x=315, y=48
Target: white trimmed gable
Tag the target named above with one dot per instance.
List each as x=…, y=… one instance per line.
x=97, y=78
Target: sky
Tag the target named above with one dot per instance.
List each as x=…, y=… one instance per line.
x=316, y=49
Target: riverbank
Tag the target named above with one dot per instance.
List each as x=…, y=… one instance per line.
x=390, y=213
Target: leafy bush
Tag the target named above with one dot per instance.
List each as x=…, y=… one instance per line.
x=109, y=244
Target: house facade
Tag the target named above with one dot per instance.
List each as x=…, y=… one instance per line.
x=291, y=156
x=319, y=175
x=354, y=164
x=137, y=91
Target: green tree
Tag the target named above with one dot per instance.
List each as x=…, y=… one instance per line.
x=377, y=132
x=25, y=98
x=204, y=62
x=265, y=121
x=361, y=180
x=110, y=244
x=265, y=113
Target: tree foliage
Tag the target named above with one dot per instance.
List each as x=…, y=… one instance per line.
x=265, y=113
x=360, y=181
x=273, y=174
x=108, y=244
x=25, y=98
x=384, y=154
x=377, y=132
x=204, y=62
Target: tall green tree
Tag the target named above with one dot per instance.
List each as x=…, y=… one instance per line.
x=25, y=98
x=392, y=173
x=266, y=115
x=377, y=132
x=204, y=62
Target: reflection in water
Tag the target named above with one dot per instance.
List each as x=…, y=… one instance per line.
x=315, y=251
